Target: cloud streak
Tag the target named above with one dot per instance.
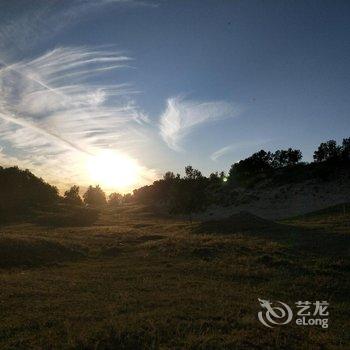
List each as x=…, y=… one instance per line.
x=236, y=146
x=51, y=105
x=43, y=20
x=221, y=152
x=182, y=116
x=39, y=130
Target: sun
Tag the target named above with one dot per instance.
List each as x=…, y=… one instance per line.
x=113, y=170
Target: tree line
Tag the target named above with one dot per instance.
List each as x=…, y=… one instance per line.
x=194, y=192
x=95, y=197
x=24, y=195
x=23, y=192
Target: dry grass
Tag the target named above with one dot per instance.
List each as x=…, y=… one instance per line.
x=136, y=281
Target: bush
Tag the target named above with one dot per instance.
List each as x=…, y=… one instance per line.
x=95, y=196
x=21, y=191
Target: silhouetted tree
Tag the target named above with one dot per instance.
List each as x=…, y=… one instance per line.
x=327, y=151
x=169, y=176
x=189, y=195
x=217, y=188
x=192, y=173
x=294, y=156
x=115, y=199
x=21, y=191
x=95, y=196
x=72, y=196
x=214, y=177
x=246, y=169
x=127, y=198
x=346, y=149
x=289, y=157
x=159, y=192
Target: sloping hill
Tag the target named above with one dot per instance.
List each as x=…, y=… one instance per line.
x=278, y=201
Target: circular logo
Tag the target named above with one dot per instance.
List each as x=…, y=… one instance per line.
x=272, y=315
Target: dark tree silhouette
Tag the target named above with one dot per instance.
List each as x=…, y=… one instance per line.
x=115, y=199
x=294, y=156
x=95, y=196
x=289, y=157
x=246, y=169
x=72, y=196
x=192, y=174
x=189, y=195
x=327, y=151
x=169, y=176
x=21, y=191
x=127, y=198
x=346, y=149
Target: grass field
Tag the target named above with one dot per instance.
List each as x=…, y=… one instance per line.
x=137, y=281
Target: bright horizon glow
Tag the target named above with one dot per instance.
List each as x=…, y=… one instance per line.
x=113, y=170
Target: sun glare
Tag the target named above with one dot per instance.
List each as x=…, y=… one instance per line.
x=113, y=170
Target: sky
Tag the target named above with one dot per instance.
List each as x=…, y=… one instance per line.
x=90, y=87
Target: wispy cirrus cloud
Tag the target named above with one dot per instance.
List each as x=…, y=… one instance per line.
x=146, y=3
x=43, y=20
x=221, y=152
x=181, y=116
x=55, y=106
x=237, y=146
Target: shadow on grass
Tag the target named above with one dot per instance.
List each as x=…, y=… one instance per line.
x=297, y=238
x=16, y=252
x=65, y=217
